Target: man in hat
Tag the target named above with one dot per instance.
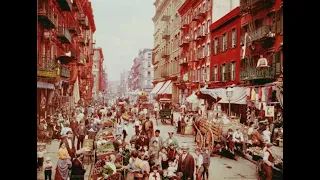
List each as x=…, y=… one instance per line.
x=268, y=161
x=68, y=141
x=237, y=138
x=186, y=163
x=157, y=137
x=118, y=142
x=77, y=170
x=135, y=136
x=172, y=139
x=142, y=141
x=81, y=133
x=148, y=127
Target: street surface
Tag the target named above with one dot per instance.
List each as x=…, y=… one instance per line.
x=220, y=168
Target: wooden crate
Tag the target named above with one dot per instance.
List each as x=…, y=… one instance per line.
x=88, y=144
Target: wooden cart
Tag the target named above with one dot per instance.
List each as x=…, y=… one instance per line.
x=212, y=132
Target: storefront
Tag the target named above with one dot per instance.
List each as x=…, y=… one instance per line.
x=45, y=91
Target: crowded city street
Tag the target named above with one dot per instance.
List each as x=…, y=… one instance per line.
x=221, y=167
x=160, y=90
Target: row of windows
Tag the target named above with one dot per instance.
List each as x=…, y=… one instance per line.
x=227, y=40
x=226, y=72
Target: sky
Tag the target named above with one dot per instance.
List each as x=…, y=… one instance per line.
x=122, y=28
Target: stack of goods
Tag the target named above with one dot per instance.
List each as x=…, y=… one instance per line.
x=103, y=171
x=126, y=116
x=143, y=98
x=104, y=143
x=107, y=123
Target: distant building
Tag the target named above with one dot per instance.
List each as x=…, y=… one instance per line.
x=99, y=75
x=146, y=70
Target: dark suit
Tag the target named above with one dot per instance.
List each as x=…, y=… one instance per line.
x=77, y=171
x=140, y=143
x=186, y=166
x=70, y=151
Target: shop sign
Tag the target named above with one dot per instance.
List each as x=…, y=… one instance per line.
x=65, y=72
x=48, y=74
x=269, y=111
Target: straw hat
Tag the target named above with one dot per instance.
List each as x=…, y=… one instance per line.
x=48, y=159
x=184, y=146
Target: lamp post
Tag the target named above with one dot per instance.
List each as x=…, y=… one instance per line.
x=229, y=94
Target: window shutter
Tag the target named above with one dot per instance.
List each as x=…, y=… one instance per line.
x=235, y=36
x=229, y=44
x=228, y=72
x=221, y=43
x=278, y=68
x=220, y=78
x=235, y=69
x=213, y=78
x=273, y=65
x=278, y=21
x=212, y=48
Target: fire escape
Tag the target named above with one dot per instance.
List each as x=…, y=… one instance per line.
x=253, y=37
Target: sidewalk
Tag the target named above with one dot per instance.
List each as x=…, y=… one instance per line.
x=52, y=152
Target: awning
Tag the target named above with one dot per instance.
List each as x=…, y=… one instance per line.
x=166, y=88
x=157, y=88
x=44, y=85
x=239, y=95
x=193, y=99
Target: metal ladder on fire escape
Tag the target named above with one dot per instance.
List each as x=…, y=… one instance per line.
x=251, y=27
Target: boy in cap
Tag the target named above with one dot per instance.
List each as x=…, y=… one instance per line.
x=47, y=168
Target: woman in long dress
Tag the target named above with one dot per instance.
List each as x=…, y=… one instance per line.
x=64, y=163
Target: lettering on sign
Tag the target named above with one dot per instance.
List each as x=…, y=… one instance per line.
x=49, y=74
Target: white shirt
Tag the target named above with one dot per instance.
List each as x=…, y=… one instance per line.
x=266, y=156
x=151, y=176
x=199, y=160
x=40, y=154
x=267, y=136
x=184, y=156
x=237, y=135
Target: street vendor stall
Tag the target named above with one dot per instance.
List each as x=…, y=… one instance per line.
x=104, y=143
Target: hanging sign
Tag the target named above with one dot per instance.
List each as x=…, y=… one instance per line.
x=269, y=111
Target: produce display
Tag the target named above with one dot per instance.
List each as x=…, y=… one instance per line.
x=105, y=148
x=105, y=134
x=108, y=123
x=126, y=116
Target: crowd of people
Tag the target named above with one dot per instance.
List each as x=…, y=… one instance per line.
x=70, y=129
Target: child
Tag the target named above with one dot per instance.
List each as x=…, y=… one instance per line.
x=154, y=175
x=47, y=168
x=165, y=175
x=171, y=169
x=133, y=147
x=126, y=155
x=163, y=158
x=40, y=154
